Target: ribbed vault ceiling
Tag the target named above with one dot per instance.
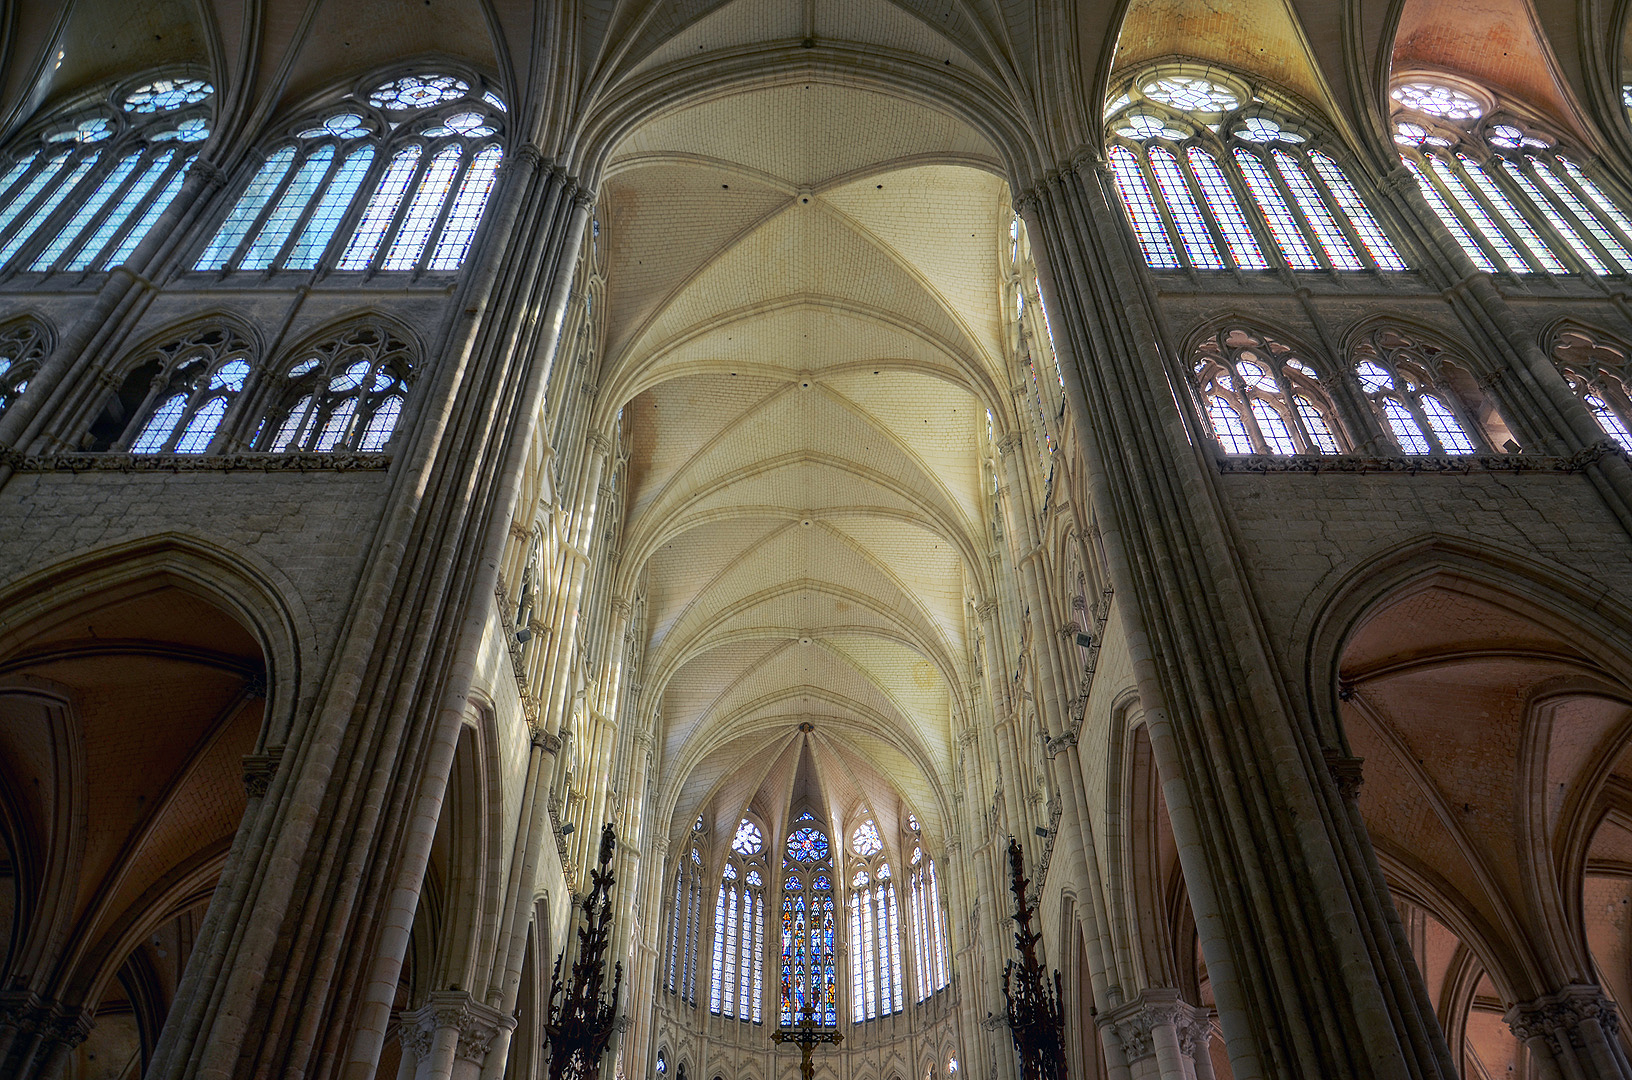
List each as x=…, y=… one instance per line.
x=804, y=332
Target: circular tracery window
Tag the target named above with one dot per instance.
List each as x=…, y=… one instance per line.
x=1261, y=129
x=1437, y=99
x=419, y=92
x=92, y=130
x=162, y=95
x=341, y=125
x=473, y=125
x=1145, y=126
x=1189, y=93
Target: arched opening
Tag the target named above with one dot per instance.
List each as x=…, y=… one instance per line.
x=129, y=728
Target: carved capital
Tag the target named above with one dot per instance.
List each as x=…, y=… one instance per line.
x=259, y=769
x=1559, y=1017
x=1348, y=774
x=476, y=1025
x=208, y=171
x=1135, y=1023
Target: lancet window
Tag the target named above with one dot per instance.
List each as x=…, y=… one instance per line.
x=809, y=977
x=1598, y=373
x=1215, y=178
x=1259, y=396
x=1427, y=404
x=345, y=394
x=685, y=925
x=876, y=975
x=83, y=189
x=175, y=399
x=1509, y=192
x=22, y=347
x=736, y=983
x=395, y=177
x=931, y=971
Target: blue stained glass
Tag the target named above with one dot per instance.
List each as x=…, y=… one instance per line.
x=1348, y=200
x=1142, y=212
x=281, y=222
x=14, y=173
x=139, y=231
x=380, y=427
x=314, y=238
x=1446, y=426
x=1405, y=427
x=1315, y=213
x=32, y=189
x=1198, y=243
x=417, y=223
x=822, y=882
x=249, y=207
x=1228, y=428
x=121, y=212
x=47, y=207
x=201, y=428
x=158, y=428
x=460, y=230
x=807, y=845
x=1226, y=211
x=793, y=884
x=87, y=210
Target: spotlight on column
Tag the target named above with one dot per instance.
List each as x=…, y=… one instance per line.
x=1040, y=831
x=524, y=635
x=566, y=830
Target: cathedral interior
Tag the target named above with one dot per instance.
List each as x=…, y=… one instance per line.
x=1190, y=439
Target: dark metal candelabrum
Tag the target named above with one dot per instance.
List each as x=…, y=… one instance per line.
x=1035, y=1008
x=581, y=1023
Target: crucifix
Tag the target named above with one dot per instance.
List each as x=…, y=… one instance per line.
x=806, y=1037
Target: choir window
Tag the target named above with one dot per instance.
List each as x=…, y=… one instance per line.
x=1598, y=374
x=1426, y=403
x=395, y=178
x=930, y=968
x=345, y=394
x=876, y=976
x=84, y=188
x=1261, y=397
x=174, y=399
x=1511, y=195
x=809, y=983
x=685, y=925
x=22, y=347
x=1213, y=178
x=736, y=983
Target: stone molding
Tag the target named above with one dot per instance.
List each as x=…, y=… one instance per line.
x=1348, y=773
x=178, y=463
x=259, y=769
x=1456, y=465
x=1558, y=1017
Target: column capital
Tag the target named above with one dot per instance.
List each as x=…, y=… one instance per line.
x=477, y=1024
x=1133, y=1024
x=1348, y=773
x=1558, y=1017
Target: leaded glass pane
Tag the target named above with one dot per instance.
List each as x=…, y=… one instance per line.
x=87, y=210
x=291, y=204
x=1142, y=212
x=1446, y=427
x=1365, y=226
x=1596, y=194
x=1448, y=218
x=1405, y=428
x=1607, y=419
x=163, y=95
x=314, y=238
x=1228, y=428
x=1315, y=424
x=1481, y=220
x=139, y=231
x=121, y=212
x=159, y=426
x=1554, y=218
x=201, y=428
x=423, y=211
x=248, y=208
x=31, y=190
x=1436, y=99
x=807, y=845
x=1320, y=219
x=1510, y=214
x=1198, y=243
x=47, y=207
x=865, y=840
x=1226, y=211
x=381, y=209
x=381, y=426
x=1294, y=249
x=1273, y=427
x=748, y=840
x=1597, y=228
x=460, y=229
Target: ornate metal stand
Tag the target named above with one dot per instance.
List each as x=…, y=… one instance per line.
x=1035, y=1009
x=581, y=1024
x=807, y=1036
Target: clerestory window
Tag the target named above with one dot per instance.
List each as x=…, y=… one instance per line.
x=1260, y=396
x=1213, y=179
x=685, y=926
x=393, y=178
x=84, y=188
x=736, y=983
x=931, y=967
x=809, y=976
x=876, y=975
x=1509, y=192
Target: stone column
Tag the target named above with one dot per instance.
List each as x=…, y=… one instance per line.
x=1161, y=1036
x=451, y=1035
x=1571, y=1034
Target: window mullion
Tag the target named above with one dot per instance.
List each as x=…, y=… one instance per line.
x=466, y=160
x=267, y=209
x=410, y=192
x=1164, y=212
x=1209, y=215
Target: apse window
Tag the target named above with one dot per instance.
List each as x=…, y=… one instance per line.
x=1214, y=179
x=397, y=179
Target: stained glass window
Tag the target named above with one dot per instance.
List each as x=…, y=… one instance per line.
x=1597, y=228
x=344, y=394
x=46, y=207
x=1404, y=383
x=865, y=841
x=1439, y=100
x=1320, y=219
x=1260, y=398
x=1510, y=214
x=1228, y=428
x=165, y=95
x=876, y=975
x=1607, y=419
x=22, y=347
x=685, y=929
x=1554, y=218
x=1294, y=249
x=1142, y=212
x=1365, y=226
x=428, y=186
x=930, y=971
x=1481, y=220
x=1198, y=243
x=1190, y=94
x=1596, y=194
x=1226, y=211
x=1448, y=218
x=748, y=840
x=808, y=970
